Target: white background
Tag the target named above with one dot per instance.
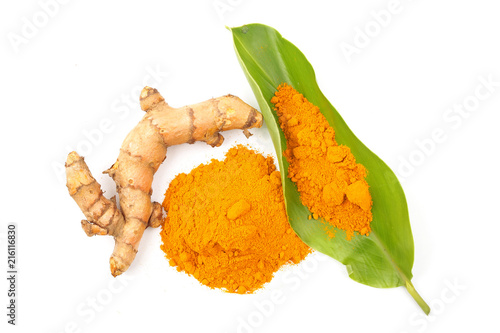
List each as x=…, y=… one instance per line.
x=81, y=66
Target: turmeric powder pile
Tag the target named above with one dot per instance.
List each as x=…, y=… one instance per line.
x=330, y=182
x=226, y=223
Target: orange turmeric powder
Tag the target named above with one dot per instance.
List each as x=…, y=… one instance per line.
x=226, y=223
x=330, y=182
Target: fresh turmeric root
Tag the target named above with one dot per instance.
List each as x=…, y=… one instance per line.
x=141, y=154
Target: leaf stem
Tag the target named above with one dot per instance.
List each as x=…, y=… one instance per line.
x=409, y=286
x=420, y=301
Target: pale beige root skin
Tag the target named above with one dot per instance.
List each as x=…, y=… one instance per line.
x=141, y=154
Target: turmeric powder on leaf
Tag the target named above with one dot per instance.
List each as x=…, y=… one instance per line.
x=330, y=182
x=226, y=223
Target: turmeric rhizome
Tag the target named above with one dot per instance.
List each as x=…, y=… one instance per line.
x=141, y=154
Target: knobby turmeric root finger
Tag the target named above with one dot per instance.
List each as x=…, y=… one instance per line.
x=141, y=154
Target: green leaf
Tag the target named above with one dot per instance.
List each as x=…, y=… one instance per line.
x=383, y=259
